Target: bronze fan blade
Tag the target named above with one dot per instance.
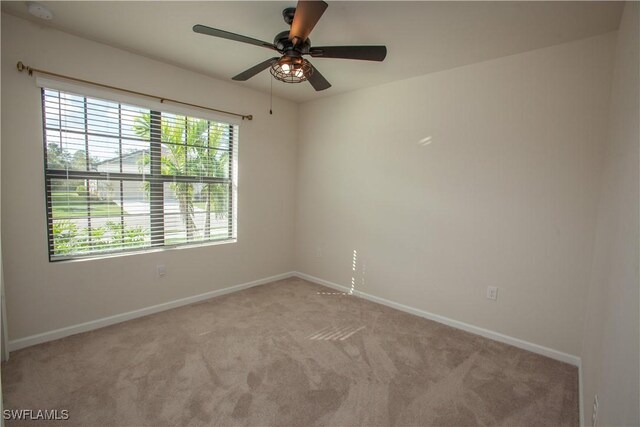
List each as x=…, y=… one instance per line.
x=247, y=74
x=308, y=13
x=203, y=29
x=365, y=53
x=317, y=80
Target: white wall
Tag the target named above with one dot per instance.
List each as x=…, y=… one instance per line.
x=610, y=354
x=45, y=296
x=505, y=194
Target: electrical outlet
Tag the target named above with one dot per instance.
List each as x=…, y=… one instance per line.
x=594, y=416
x=318, y=252
x=492, y=292
x=161, y=270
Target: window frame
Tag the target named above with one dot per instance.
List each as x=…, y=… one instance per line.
x=155, y=177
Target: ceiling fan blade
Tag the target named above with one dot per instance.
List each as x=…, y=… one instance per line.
x=366, y=53
x=308, y=13
x=317, y=80
x=203, y=29
x=247, y=74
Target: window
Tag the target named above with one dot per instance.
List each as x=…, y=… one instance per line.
x=125, y=178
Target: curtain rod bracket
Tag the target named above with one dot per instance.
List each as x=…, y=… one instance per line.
x=21, y=67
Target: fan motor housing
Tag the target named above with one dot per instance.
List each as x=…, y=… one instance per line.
x=286, y=46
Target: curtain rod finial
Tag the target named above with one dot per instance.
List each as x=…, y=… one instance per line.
x=21, y=67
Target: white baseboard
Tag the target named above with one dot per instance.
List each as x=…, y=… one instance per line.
x=496, y=336
x=106, y=321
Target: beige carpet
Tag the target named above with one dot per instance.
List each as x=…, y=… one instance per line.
x=289, y=353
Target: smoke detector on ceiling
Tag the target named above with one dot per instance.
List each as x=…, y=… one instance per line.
x=39, y=11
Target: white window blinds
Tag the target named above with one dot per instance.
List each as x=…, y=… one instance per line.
x=121, y=177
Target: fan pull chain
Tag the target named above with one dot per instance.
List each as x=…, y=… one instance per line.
x=271, y=96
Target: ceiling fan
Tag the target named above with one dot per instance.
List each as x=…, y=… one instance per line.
x=291, y=67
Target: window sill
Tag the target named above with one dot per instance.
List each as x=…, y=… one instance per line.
x=140, y=252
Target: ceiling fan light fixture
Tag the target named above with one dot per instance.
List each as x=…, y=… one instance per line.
x=291, y=69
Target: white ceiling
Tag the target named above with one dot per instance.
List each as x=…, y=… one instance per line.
x=421, y=37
